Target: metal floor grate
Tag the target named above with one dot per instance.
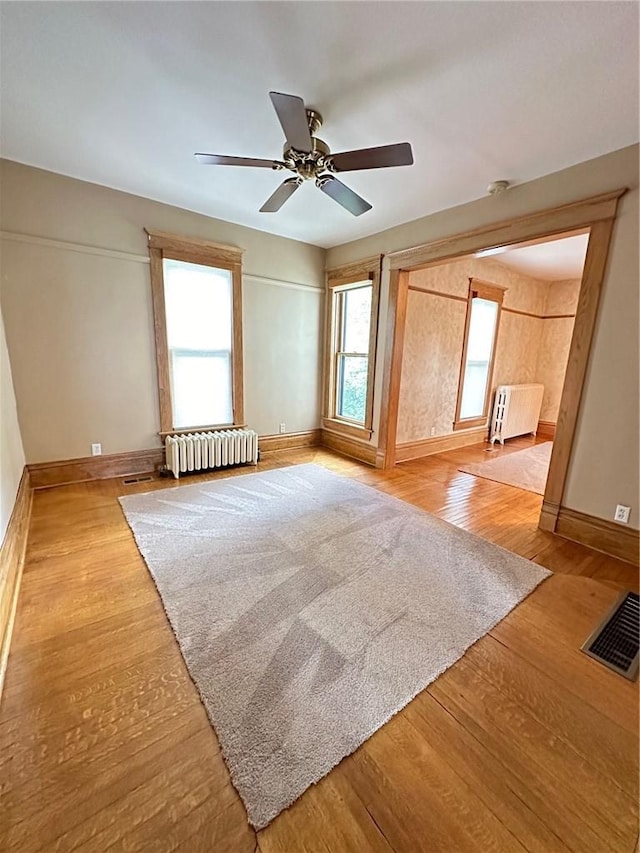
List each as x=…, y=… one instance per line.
x=140, y=478
x=614, y=643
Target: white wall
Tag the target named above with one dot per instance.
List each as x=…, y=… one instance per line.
x=80, y=325
x=11, y=452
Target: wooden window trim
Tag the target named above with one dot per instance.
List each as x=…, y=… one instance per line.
x=194, y=251
x=341, y=278
x=347, y=428
x=493, y=293
x=486, y=290
x=218, y=252
x=471, y=423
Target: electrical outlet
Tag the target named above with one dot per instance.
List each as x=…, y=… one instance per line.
x=433, y=430
x=622, y=514
x=282, y=428
x=96, y=450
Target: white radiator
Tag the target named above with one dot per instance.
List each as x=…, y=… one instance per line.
x=202, y=450
x=516, y=411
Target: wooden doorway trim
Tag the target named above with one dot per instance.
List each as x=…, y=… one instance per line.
x=392, y=367
x=597, y=214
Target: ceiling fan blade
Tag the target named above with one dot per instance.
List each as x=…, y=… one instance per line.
x=293, y=118
x=373, y=158
x=278, y=198
x=223, y=160
x=341, y=193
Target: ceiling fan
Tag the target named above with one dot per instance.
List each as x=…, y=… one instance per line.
x=310, y=158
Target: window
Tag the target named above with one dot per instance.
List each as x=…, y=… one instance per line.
x=352, y=300
x=198, y=314
x=481, y=330
x=196, y=289
x=353, y=310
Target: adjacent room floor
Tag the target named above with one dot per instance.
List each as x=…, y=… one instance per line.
x=514, y=465
x=524, y=744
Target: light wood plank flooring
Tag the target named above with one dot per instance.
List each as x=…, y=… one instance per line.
x=525, y=744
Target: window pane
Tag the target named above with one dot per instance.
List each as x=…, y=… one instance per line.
x=201, y=388
x=352, y=387
x=356, y=318
x=198, y=303
x=475, y=387
x=198, y=306
x=482, y=325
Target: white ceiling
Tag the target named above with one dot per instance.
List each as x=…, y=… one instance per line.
x=558, y=260
x=122, y=94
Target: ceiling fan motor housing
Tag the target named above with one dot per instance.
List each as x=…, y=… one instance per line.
x=309, y=164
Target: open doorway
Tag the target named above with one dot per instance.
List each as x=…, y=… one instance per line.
x=486, y=344
x=597, y=215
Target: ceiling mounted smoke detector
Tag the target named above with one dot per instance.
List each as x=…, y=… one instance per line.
x=498, y=187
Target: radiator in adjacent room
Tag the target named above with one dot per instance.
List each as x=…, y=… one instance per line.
x=516, y=411
x=204, y=450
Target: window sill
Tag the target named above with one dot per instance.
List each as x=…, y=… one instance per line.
x=346, y=428
x=471, y=423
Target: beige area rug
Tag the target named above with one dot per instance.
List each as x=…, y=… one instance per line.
x=525, y=469
x=309, y=609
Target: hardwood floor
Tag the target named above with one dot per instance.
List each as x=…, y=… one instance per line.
x=524, y=744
